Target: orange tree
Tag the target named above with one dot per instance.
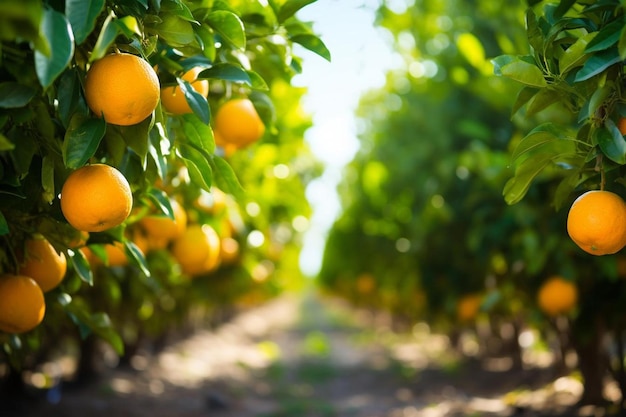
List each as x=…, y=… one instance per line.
x=133, y=86
x=572, y=98
x=424, y=222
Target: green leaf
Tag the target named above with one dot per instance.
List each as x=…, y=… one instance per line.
x=199, y=168
x=14, y=95
x=597, y=63
x=607, y=37
x=4, y=226
x=545, y=138
x=519, y=69
x=108, y=32
x=198, y=134
x=57, y=30
x=516, y=188
x=82, y=15
x=229, y=26
x=523, y=97
x=81, y=266
x=197, y=102
x=70, y=97
x=621, y=44
x=136, y=137
x=226, y=178
x=162, y=201
x=134, y=253
x=313, y=44
x=82, y=139
x=575, y=55
x=176, y=31
x=290, y=8
x=611, y=142
x=21, y=19
x=179, y=9
x=257, y=82
x=544, y=98
x=227, y=72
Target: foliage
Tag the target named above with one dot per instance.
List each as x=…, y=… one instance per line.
x=572, y=80
x=246, y=48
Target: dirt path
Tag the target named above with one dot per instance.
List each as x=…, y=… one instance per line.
x=307, y=357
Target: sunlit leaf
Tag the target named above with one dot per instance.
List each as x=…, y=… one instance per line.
x=197, y=102
x=226, y=178
x=290, y=8
x=57, y=30
x=229, y=26
x=519, y=69
x=228, y=72
x=313, y=44
x=611, y=142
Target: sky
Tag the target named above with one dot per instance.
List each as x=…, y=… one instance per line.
x=361, y=55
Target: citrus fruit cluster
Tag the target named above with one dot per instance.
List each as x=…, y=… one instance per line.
x=41, y=269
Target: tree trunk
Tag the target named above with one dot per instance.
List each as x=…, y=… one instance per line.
x=592, y=359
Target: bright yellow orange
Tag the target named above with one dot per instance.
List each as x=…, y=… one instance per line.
x=161, y=227
x=172, y=97
x=95, y=198
x=468, y=306
x=43, y=263
x=123, y=88
x=238, y=124
x=197, y=250
x=596, y=222
x=22, y=304
x=557, y=296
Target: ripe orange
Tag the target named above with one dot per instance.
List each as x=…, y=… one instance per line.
x=162, y=227
x=122, y=87
x=43, y=263
x=214, y=202
x=596, y=222
x=172, y=97
x=95, y=198
x=22, y=305
x=116, y=255
x=197, y=250
x=468, y=306
x=557, y=296
x=238, y=123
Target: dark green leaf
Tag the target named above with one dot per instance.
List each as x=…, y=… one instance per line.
x=607, y=37
x=162, y=201
x=82, y=15
x=82, y=139
x=597, y=63
x=621, y=44
x=69, y=96
x=544, y=98
x=290, y=8
x=136, y=137
x=313, y=44
x=611, y=142
x=575, y=54
x=229, y=26
x=563, y=7
x=135, y=254
x=228, y=72
x=523, y=97
x=81, y=266
x=197, y=102
x=13, y=95
x=59, y=34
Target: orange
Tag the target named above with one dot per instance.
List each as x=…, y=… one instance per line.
x=468, y=306
x=621, y=125
x=557, y=296
x=596, y=222
x=22, y=304
x=43, y=263
x=116, y=255
x=123, y=88
x=95, y=198
x=172, y=97
x=238, y=123
x=164, y=228
x=197, y=250
x=214, y=202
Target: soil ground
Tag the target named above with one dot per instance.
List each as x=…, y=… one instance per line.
x=309, y=356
